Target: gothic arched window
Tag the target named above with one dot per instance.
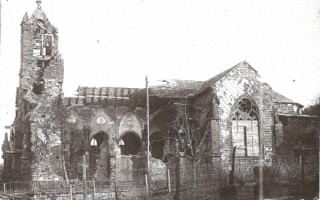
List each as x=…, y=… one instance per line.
x=245, y=127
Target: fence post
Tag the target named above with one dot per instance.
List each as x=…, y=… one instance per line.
x=177, y=195
x=4, y=187
x=94, y=188
x=32, y=187
x=302, y=172
x=85, y=196
x=231, y=178
x=115, y=190
x=147, y=186
x=71, y=191
x=169, y=181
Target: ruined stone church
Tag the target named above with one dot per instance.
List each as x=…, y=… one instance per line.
x=107, y=126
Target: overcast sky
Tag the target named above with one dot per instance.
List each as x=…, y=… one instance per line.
x=119, y=42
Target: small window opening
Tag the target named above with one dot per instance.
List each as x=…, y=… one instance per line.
x=38, y=87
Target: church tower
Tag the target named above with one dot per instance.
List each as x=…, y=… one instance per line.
x=40, y=86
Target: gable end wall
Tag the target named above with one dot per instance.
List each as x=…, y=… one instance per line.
x=243, y=80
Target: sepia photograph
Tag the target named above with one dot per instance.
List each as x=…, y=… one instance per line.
x=159, y=100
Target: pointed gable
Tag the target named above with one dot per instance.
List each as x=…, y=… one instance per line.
x=39, y=15
x=178, y=88
x=213, y=80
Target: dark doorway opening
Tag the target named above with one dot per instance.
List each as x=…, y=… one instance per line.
x=130, y=144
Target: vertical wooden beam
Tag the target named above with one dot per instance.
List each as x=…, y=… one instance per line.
x=302, y=160
x=169, y=181
x=71, y=191
x=177, y=194
x=148, y=133
x=245, y=141
x=231, y=175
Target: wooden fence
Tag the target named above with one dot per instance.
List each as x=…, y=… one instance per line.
x=194, y=181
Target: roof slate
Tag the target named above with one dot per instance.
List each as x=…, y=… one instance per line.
x=276, y=97
x=216, y=78
x=175, y=88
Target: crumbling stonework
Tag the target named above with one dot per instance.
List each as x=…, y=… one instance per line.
x=102, y=132
x=41, y=76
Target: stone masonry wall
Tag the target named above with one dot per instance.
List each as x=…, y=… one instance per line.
x=41, y=77
x=113, y=123
x=239, y=81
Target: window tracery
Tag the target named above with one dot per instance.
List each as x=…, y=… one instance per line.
x=245, y=127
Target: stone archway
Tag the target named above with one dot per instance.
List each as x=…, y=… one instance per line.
x=130, y=123
x=157, y=144
x=130, y=143
x=245, y=126
x=100, y=155
x=101, y=146
x=101, y=122
x=78, y=164
x=162, y=134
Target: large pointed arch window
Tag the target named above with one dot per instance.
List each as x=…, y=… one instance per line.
x=245, y=127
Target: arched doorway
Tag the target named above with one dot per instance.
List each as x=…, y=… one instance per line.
x=162, y=138
x=157, y=142
x=78, y=159
x=130, y=143
x=245, y=127
x=100, y=155
x=162, y=146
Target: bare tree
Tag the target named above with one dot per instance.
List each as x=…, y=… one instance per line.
x=313, y=109
x=192, y=133
x=187, y=124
